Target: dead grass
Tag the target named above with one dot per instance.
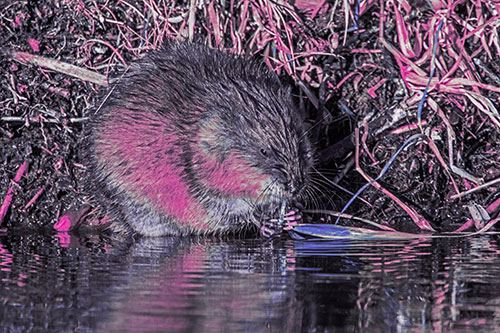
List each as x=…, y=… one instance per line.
x=393, y=69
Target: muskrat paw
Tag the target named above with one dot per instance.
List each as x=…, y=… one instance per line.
x=292, y=218
x=270, y=228
x=267, y=231
x=273, y=227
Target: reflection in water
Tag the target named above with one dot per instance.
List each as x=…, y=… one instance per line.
x=213, y=285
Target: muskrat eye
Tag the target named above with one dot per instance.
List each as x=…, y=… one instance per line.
x=263, y=152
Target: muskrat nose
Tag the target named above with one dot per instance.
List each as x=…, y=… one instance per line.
x=280, y=175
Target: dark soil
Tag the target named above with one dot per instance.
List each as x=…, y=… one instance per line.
x=43, y=112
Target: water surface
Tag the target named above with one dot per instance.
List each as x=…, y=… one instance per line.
x=214, y=285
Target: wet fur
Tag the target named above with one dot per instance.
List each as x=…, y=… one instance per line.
x=194, y=141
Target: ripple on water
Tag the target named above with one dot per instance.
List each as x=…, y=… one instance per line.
x=214, y=285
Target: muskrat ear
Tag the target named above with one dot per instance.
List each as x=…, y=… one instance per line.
x=208, y=134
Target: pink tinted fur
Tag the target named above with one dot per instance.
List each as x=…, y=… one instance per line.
x=234, y=177
x=157, y=179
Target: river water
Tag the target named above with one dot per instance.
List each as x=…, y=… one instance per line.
x=247, y=285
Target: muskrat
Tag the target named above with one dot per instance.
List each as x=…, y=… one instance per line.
x=192, y=140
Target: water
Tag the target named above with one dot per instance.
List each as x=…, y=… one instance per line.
x=213, y=285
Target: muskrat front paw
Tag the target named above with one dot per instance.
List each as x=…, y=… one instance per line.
x=274, y=227
x=267, y=231
x=292, y=218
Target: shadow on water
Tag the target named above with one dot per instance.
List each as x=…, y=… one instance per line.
x=213, y=285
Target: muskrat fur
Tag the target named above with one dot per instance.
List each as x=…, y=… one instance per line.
x=192, y=140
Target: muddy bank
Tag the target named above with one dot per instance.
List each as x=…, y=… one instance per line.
x=392, y=70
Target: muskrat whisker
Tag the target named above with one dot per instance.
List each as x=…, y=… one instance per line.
x=314, y=198
x=266, y=189
x=311, y=198
x=317, y=172
x=320, y=196
x=320, y=183
x=326, y=180
x=324, y=172
x=316, y=188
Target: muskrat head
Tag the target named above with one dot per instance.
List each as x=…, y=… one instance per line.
x=279, y=146
x=255, y=146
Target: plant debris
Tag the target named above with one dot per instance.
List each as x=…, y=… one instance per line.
x=369, y=75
